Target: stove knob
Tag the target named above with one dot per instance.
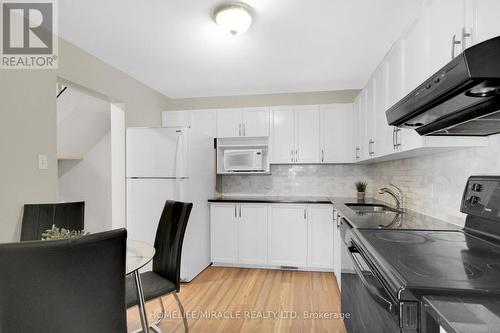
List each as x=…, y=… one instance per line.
x=474, y=200
x=477, y=187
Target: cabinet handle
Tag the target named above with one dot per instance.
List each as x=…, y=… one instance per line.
x=357, y=152
x=305, y=213
x=291, y=155
x=371, y=147
x=322, y=155
x=398, y=141
x=240, y=211
x=454, y=42
x=239, y=130
x=244, y=131
x=235, y=211
x=465, y=35
x=394, y=138
x=296, y=155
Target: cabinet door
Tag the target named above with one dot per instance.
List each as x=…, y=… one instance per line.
x=252, y=234
x=383, y=133
x=282, y=134
x=320, y=236
x=362, y=119
x=356, y=129
x=337, y=247
x=256, y=122
x=307, y=134
x=486, y=21
x=336, y=121
x=395, y=77
x=288, y=235
x=370, y=117
x=223, y=230
x=229, y=123
x=416, y=59
x=204, y=121
x=445, y=20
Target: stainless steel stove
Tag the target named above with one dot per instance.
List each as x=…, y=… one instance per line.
x=393, y=269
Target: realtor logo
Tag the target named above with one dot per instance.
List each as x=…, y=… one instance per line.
x=29, y=36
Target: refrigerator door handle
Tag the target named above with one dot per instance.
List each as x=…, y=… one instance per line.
x=179, y=154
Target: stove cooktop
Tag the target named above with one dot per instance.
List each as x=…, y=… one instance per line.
x=441, y=260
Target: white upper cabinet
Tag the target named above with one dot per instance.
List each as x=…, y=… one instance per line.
x=282, y=134
x=256, y=121
x=383, y=143
x=362, y=122
x=229, y=123
x=307, y=134
x=356, y=130
x=336, y=123
x=242, y=122
x=295, y=134
x=415, y=56
x=484, y=18
x=444, y=20
x=204, y=121
x=370, y=117
x=395, y=74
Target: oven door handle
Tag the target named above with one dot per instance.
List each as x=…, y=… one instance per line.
x=372, y=290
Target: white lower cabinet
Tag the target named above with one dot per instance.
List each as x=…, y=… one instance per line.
x=223, y=233
x=273, y=235
x=320, y=237
x=252, y=234
x=288, y=235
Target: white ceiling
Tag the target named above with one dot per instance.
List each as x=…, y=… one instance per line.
x=293, y=45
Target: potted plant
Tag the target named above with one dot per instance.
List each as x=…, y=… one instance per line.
x=56, y=233
x=361, y=187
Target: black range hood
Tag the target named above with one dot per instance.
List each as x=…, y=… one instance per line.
x=461, y=99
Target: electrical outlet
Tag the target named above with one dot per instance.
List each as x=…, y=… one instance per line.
x=43, y=162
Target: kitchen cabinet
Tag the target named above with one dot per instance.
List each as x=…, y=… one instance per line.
x=384, y=142
x=288, y=235
x=336, y=142
x=307, y=134
x=484, y=20
x=415, y=58
x=362, y=125
x=273, y=235
x=252, y=234
x=295, y=134
x=356, y=129
x=239, y=233
x=242, y=122
x=320, y=237
x=337, y=247
x=444, y=20
x=282, y=135
x=224, y=233
x=370, y=117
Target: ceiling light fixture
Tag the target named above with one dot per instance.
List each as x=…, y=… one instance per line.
x=235, y=18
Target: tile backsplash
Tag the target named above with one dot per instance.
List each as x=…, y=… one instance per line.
x=300, y=180
x=432, y=184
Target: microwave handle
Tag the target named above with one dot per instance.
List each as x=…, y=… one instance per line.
x=372, y=290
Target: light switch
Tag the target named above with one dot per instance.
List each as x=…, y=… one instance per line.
x=43, y=162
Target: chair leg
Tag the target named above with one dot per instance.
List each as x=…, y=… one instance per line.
x=184, y=319
x=159, y=319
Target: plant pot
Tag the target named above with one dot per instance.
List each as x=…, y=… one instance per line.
x=361, y=196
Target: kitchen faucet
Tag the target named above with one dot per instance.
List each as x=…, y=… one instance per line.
x=398, y=197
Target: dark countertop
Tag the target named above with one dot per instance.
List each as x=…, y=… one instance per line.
x=273, y=199
x=465, y=314
x=393, y=220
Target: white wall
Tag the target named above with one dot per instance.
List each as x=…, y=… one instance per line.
x=89, y=180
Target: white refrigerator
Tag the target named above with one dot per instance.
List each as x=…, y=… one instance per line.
x=171, y=164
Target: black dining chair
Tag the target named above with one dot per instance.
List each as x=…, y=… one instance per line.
x=37, y=218
x=164, y=279
x=74, y=285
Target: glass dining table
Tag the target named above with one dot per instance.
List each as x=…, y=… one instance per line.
x=139, y=254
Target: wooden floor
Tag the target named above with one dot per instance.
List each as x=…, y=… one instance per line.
x=251, y=300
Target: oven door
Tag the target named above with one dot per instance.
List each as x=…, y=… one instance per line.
x=366, y=305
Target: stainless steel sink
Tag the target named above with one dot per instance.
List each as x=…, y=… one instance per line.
x=371, y=208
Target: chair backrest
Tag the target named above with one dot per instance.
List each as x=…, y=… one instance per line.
x=75, y=285
x=39, y=217
x=169, y=239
